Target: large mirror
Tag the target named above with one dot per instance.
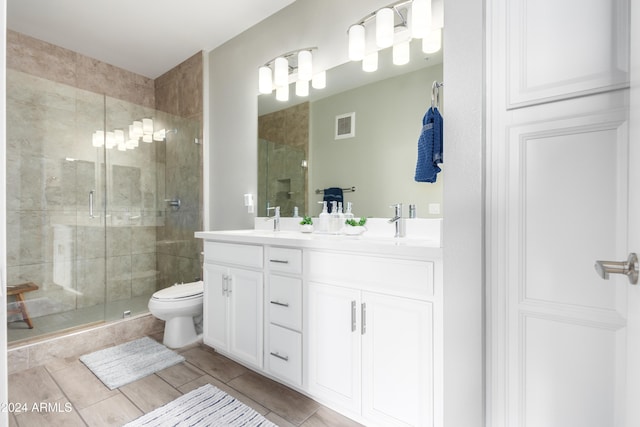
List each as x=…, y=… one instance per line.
x=301, y=152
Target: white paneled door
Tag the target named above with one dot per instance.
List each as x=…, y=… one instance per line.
x=564, y=191
x=633, y=296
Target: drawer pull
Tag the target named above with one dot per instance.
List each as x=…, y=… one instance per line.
x=281, y=304
x=279, y=261
x=285, y=358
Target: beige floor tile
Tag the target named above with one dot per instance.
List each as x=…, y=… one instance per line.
x=33, y=385
x=325, y=417
x=112, y=412
x=289, y=404
x=81, y=386
x=180, y=374
x=214, y=364
x=150, y=393
x=59, y=414
x=278, y=420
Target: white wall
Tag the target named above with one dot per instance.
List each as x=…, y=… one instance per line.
x=233, y=158
x=463, y=228
x=3, y=237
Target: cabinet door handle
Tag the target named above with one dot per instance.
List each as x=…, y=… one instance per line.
x=363, y=314
x=285, y=358
x=279, y=261
x=225, y=285
x=281, y=304
x=353, y=316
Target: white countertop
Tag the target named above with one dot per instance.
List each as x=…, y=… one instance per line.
x=413, y=247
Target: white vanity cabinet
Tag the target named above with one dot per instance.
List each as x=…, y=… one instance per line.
x=370, y=336
x=284, y=313
x=233, y=300
x=355, y=324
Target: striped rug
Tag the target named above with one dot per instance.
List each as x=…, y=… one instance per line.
x=203, y=407
x=128, y=362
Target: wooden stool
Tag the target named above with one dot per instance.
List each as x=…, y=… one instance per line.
x=17, y=291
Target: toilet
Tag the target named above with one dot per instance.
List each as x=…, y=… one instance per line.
x=180, y=306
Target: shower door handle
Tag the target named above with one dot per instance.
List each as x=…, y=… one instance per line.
x=91, y=204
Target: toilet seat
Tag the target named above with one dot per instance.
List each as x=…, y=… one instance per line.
x=180, y=292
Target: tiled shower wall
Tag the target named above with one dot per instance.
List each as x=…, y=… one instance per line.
x=179, y=92
x=141, y=256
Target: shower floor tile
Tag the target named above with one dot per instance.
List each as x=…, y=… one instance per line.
x=202, y=365
x=59, y=322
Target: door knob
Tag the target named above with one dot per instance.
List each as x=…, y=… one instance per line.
x=629, y=268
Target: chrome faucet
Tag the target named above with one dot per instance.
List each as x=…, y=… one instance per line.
x=275, y=217
x=398, y=220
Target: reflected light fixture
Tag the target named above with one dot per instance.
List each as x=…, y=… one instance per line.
x=129, y=137
x=396, y=25
x=297, y=66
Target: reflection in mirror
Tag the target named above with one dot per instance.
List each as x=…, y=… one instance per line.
x=377, y=156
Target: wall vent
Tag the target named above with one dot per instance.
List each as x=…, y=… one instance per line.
x=345, y=126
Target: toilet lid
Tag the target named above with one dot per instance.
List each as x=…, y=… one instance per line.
x=178, y=291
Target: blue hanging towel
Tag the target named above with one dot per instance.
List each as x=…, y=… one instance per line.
x=333, y=194
x=429, y=147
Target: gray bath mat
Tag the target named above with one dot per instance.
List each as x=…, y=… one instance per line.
x=205, y=406
x=128, y=362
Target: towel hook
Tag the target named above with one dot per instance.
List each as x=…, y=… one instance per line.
x=435, y=94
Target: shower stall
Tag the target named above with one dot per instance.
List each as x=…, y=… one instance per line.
x=103, y=198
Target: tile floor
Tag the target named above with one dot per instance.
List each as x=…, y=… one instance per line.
x=74, y=396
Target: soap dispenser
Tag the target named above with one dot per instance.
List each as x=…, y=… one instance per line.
x=334, y=224
x=348, y=214
x=324, y=219
x=340, y=218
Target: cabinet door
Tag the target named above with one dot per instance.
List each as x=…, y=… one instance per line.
x=215, y=307
x=245, y=317
x=397, y=361
x=334, y=344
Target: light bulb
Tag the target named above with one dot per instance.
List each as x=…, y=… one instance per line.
x=110, y=140
x=305, y=67
x=137, y=129
x=370, y=62
x=401, y=53
x=281, y=72
x=356, y=42
x=148, y=138
x=319, y=80
x=265, y=84
x=420, y=18
x=384, y=27
x=302, y=88
x=98, y=138
x=147, y=126
x=282, y=93
x=433, y=41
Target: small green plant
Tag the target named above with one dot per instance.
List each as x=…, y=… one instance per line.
x=354, y=223
x=306, y=221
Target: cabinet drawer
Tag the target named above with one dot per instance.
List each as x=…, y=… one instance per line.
x=285, y=301
x=233, y=253
x=285, y=260
x=410, y=278
x=285, y=354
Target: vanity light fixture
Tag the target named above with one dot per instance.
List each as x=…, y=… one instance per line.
x=298, y=64
x=396, y=25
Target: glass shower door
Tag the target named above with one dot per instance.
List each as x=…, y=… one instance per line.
x=55, y=253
